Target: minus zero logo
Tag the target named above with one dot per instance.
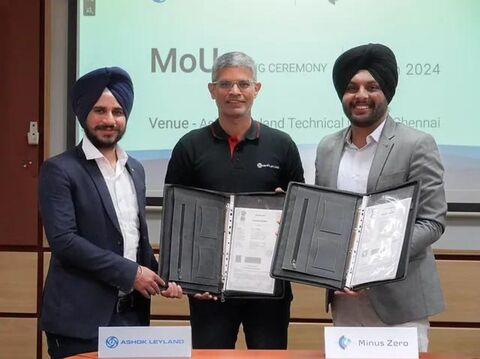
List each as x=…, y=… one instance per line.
x=344, y=342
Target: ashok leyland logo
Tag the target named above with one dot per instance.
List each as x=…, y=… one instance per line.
x=111, y=342
x=344, y=342
x=159, y=1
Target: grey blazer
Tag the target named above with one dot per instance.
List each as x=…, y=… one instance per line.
x=403, y=154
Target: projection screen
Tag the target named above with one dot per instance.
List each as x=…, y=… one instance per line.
x=168, y=47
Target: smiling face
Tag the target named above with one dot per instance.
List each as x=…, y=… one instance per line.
x=363, y=102
x=106, y=122
x=234, y=102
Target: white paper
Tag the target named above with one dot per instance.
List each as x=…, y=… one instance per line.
x=253, y=241
x=381, y=240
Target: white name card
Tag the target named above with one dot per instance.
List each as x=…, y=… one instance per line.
x=144, y=342
x=368, y=342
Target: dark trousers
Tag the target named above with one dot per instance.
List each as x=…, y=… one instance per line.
x=215, y=324
x=60, y=346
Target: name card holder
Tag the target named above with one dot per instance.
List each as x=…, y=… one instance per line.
x=371, y=342
x=144, y=342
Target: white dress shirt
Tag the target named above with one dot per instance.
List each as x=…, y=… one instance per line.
x=356, y=162
x=122, y=192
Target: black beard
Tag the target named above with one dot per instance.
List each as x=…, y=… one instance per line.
x=377, y=114
x=102, y=144
x=365, y=123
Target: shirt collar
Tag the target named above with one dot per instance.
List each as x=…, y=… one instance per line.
x=373, y=137
x=93, y=153
x=252, y=133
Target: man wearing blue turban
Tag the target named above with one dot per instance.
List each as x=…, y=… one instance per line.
x=92, y=202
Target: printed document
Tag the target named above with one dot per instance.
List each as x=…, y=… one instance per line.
x=253, y=241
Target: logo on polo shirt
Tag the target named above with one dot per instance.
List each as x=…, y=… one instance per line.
x=267, y=165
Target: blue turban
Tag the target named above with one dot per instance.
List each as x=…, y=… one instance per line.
x=377, y=59
x=88, y=88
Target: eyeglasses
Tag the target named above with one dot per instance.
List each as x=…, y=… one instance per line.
x=227, y=85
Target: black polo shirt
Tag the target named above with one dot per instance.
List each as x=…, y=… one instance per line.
x=264, y=160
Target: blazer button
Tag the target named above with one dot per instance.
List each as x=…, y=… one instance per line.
x=118, y=243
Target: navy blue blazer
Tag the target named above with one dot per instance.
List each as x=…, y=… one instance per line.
x=87, y=267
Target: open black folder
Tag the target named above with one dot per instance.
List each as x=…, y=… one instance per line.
x=337, y=239
x=219, y=242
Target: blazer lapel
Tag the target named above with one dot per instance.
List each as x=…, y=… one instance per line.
x=138, y=183
x=381, y=155
x=97, y=177
x=333, y=163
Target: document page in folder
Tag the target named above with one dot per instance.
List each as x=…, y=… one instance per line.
x=381, y=240
x=253, y=240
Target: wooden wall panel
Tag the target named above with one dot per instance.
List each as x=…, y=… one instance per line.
x=44, y=347
x=46, y=264
x=306, y=336
x=170, y=306
x=308, y=302
x=464, y=341
x=457, y=280
x=460, y=286
x=169, y=323
x=18, y=338
x=18, y=280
